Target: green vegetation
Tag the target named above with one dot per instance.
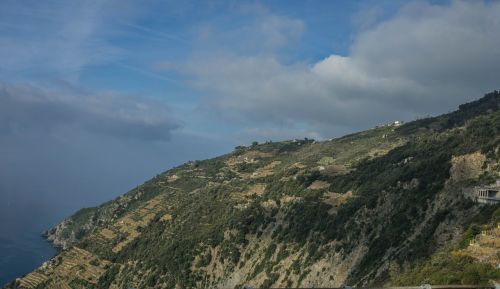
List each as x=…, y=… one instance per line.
x=388, y=199
x=450, y=268
x=453, y=265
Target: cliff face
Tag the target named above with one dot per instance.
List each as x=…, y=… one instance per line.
x=56, y=236
x=356, y=210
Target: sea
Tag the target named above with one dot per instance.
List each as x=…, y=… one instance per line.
x=22, y=254
x=27, y=210
x=23, y=218
x=26, y=214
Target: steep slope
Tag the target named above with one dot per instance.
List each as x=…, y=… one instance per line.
x=472, y=260
x=352, y=210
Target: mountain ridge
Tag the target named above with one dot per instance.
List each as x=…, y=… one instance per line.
x=293, y=213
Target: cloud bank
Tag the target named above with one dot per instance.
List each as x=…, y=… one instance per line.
x=426, y=59
x=28, y=109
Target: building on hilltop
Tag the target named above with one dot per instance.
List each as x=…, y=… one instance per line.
x=394, y=123
x=487, y=194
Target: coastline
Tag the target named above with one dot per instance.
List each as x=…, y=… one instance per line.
x=23, y=254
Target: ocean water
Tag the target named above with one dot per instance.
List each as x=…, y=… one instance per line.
x=45, y=177
x=22, y=254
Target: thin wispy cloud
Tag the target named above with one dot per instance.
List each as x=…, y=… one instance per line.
x=146, y=72
x=157, y=33
x=53, y=38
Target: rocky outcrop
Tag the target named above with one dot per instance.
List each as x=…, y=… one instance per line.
x=467, y=166
x=56, y=236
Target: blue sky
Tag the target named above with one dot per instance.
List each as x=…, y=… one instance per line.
x=96, y=96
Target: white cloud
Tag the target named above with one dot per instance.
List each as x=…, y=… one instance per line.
x=425, y=59
x=256, y=31
x=279, y=31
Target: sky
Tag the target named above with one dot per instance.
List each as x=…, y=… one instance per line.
x=98, y=96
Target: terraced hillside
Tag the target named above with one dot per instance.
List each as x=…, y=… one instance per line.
x=73, y=268
x=363, y=209
x=486, y=246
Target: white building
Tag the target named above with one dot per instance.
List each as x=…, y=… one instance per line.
x=488, y=194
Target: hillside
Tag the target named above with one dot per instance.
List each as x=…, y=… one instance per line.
x=382, y=206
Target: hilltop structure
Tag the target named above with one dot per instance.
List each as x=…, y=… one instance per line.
x=487, y=194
